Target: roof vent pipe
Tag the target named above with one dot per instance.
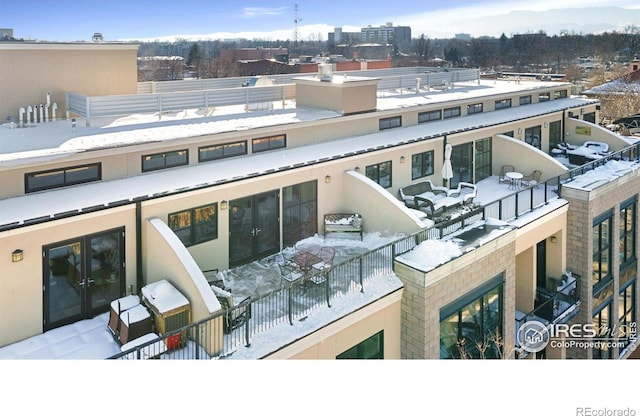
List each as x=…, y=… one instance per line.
x=41, y=118
x=54, y=108
x=21, y=111
x=29, y=111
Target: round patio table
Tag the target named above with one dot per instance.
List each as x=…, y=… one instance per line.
x=515, y=178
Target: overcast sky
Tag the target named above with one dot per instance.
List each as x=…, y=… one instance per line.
x=72, y=20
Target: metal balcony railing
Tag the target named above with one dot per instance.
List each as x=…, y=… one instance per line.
x=212, y=338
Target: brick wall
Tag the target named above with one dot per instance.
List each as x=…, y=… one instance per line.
x=425, y=294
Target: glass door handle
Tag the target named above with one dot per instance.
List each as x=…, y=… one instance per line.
x=82, y=282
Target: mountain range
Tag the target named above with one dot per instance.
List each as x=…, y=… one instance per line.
x=434, y=25
x=552, y=22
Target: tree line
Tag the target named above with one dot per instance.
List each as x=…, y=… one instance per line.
x=529, y=52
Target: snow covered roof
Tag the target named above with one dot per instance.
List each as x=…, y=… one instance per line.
x=45, y=205
x=602, y=175
x=17, y=145
x=623, y=85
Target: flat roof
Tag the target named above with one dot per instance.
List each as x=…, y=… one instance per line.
x=55, y=139
x=46, y=45
x=47, y=205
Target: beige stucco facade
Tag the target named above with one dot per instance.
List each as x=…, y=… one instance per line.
x=409, y=317
x=330, y=341
x=30, y=70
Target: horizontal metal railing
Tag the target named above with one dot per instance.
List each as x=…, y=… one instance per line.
x=118, y=105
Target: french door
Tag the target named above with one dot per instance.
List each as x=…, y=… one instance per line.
x=82, y=276
x=254, y=225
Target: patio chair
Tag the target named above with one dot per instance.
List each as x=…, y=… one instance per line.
x=236, y=314
x=532, y=179
x=318, y=270
x=503, y=174
x=290, y=272
x=466, y=192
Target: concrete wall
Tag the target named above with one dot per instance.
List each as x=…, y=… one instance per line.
x=579, y=131
x=29, y=70
x=504, y=149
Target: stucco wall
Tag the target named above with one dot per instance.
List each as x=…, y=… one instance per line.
x=30, y=70
x=21, y=283
x=350, y=330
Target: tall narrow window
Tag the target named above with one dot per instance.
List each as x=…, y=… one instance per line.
x=555, y=133
x=602, y=326
x=602, y=273
x=627, y=314
x=299, y=212
x=483, y=159
x=628, y=233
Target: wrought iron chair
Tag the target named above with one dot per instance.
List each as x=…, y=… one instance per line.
x=318, y=270
x=533, y=179
x=503, y=174
x=290, y=272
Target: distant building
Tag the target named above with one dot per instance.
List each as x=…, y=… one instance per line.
x=381, y=34
x=254, y=54
x=463, y=36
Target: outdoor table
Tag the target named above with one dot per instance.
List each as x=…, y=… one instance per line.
x=305, y=260
x=515, y=178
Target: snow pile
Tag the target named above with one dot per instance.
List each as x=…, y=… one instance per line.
x=432, y=253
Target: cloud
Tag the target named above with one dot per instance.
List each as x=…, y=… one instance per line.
x=251, y=12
